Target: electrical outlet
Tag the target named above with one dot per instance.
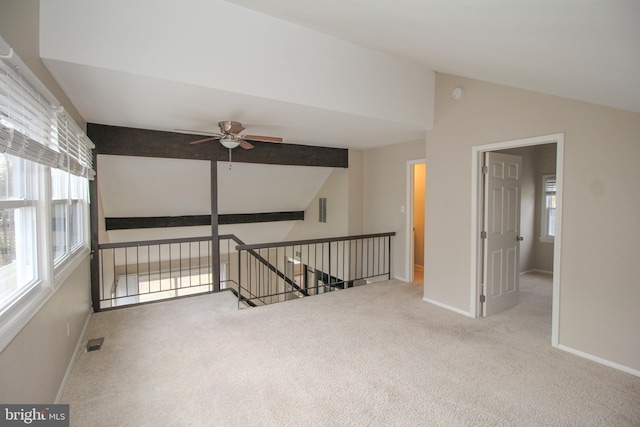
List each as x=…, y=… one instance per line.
x=402, y=209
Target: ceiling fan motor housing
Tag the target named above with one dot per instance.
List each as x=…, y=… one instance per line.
x=228, y=126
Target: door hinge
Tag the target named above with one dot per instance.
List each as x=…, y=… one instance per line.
x=485, y=170
x=482, y=298
x=483, y=234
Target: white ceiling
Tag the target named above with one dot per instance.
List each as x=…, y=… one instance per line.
x=131, y=63
x=587, y=50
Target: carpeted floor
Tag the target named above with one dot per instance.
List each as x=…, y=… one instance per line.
x=372, y=355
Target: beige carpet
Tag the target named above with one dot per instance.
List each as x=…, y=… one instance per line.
x=373, y=355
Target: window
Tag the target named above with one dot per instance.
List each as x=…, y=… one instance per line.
x=68, y=198
x=18, y=231
x=548, y=217
x=45, y=162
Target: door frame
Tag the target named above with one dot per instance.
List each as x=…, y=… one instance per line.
x=477, y=153
x=409, y=246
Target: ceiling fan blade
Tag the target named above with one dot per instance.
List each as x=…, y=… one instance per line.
x=244, y=144
x=200, y=141
x=236, y=128
x=261, y=138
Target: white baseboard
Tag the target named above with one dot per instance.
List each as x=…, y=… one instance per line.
x=600, y=360
x=448, y=307
x=67, y=374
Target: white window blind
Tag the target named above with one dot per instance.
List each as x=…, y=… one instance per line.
x=34, y=126
x=550, y=184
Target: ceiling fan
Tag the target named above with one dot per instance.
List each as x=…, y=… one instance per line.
x=230, y=136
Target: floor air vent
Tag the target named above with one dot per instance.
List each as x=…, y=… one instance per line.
x=94, y=344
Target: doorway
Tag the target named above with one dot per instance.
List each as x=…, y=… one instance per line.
x=415, y=211
x=530, y=232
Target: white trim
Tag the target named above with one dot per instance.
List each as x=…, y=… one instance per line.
x=557, y=242
x=67, y=374
x=600, y=360
x=474, y=308
x=448, y=307
x=558, y=139
x=409, y=217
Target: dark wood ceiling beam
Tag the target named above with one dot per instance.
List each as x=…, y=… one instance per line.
x=122, y=141
x=129, y=223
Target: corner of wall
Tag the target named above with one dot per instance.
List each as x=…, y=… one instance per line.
x=355, y=195
x=335, y=190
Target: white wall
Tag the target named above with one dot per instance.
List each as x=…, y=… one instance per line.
x=385, y=188
x=33, y=365
x=599, y=292
x=343, y=190
x=139, y=187
x=356, y=191
x=336, y=190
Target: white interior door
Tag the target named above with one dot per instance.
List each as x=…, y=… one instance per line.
x=502, y=226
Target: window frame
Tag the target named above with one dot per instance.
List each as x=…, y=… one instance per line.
x=544, y=211
x=35, y=127
x=76, y=193
x=27, y=196
x=16, y=312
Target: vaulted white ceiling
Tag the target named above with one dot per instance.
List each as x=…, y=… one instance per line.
x=190, y=64
x=587, y=50
x=342, y=73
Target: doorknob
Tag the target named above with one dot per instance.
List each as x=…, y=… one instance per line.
x=519, y=238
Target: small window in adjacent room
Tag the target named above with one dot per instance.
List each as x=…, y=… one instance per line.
x=548, y=217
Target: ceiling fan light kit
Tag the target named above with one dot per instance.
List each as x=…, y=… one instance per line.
x=229, y=141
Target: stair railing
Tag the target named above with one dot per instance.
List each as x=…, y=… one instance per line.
x=137, y=272
x=280, y=271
